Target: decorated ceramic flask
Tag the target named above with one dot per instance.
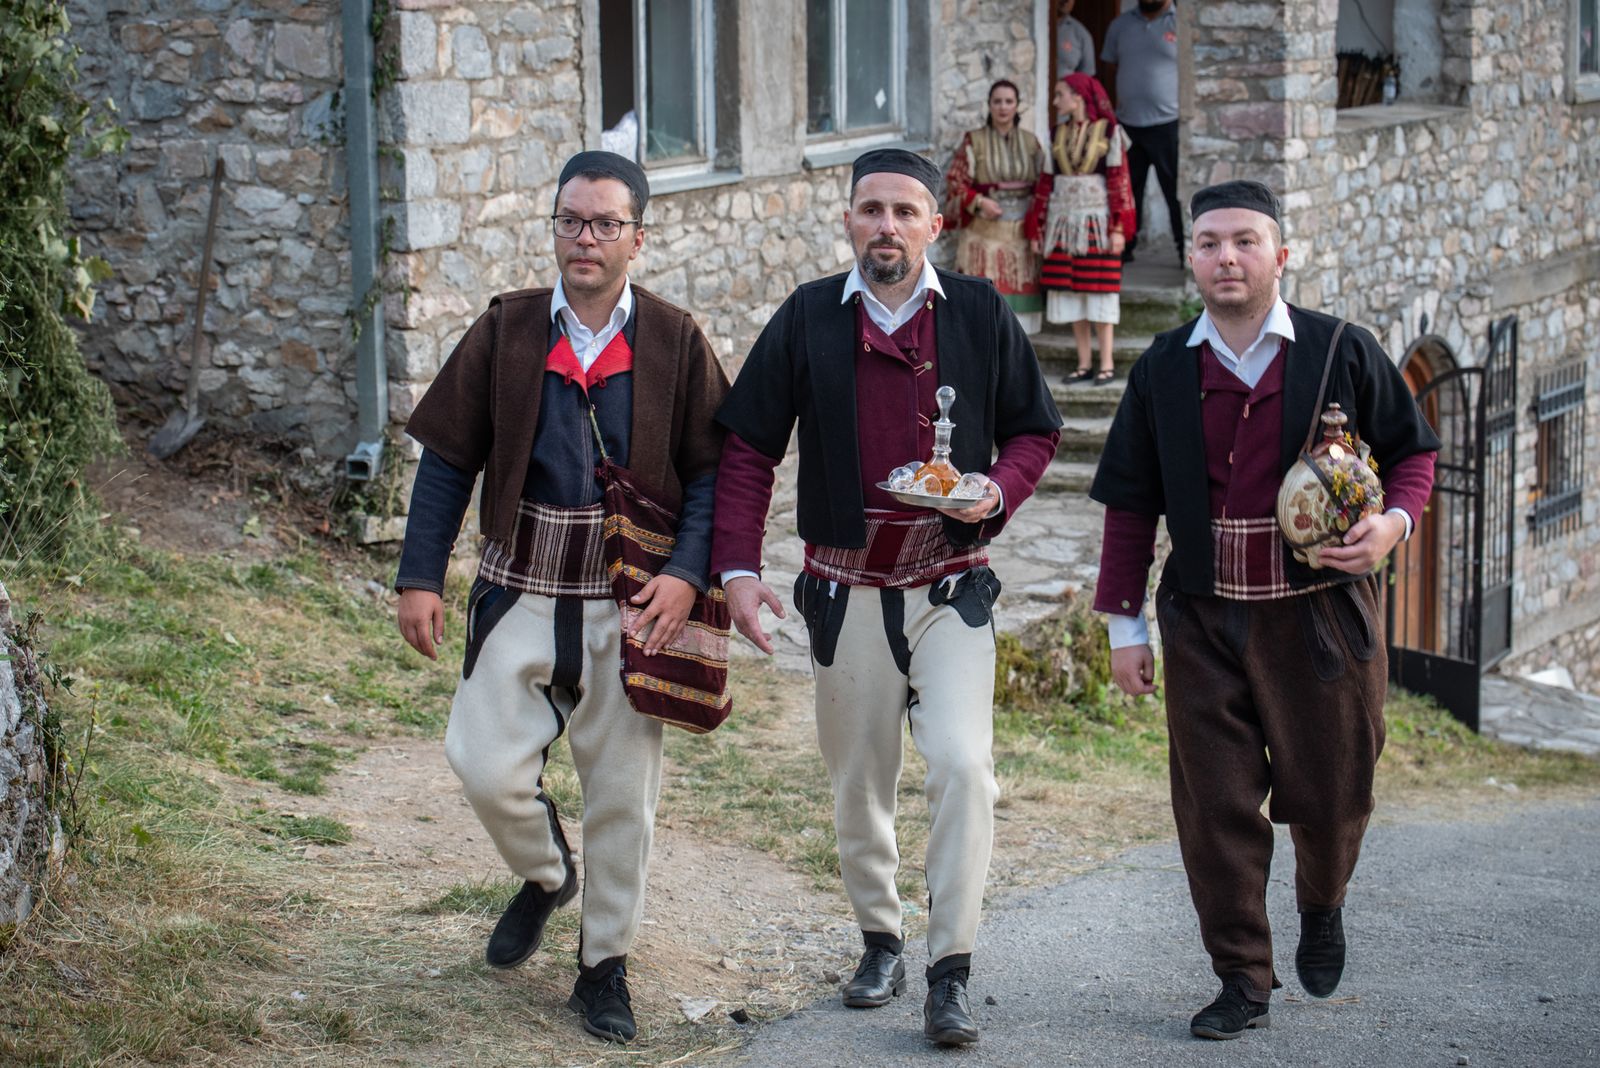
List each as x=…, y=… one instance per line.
x=1329, y=489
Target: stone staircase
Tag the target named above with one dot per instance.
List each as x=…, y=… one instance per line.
x=1087, y=409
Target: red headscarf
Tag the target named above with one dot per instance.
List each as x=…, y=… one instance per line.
x=1096, y=105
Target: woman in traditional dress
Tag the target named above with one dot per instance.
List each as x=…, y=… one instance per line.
x=1081, y=217
x=989, y=189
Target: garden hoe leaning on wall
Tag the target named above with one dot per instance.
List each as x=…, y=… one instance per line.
x=183, y=424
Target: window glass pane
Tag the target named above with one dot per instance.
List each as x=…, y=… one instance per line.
x=616, y=78
x=672, y=71
x=1588, y=32
x=872, y=64
x=820, y=87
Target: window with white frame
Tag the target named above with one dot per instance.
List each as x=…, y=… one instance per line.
x=657, y=59
x=855, y=66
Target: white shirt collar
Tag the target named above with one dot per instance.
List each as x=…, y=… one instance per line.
x=587, y=344
x=1249, y=365
x=1277, y=323
x=624, y=308
x=886, y=320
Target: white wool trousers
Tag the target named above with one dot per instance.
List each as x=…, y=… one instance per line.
x=885, y=659
x=538, y=667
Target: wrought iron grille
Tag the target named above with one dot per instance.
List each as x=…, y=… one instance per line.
x=1558, y=411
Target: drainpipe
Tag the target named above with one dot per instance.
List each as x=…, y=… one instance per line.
x=361, y=162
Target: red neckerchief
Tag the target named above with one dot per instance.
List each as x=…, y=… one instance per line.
x=615, y=359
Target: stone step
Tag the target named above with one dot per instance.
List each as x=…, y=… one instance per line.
x=1067, y=478
x=1083, y=439
x=1087, y=401
x=1058, y=353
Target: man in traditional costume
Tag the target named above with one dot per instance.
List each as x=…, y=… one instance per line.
x=990, y=186
x=536, y=380
x=897, y=600
x=1275, y=672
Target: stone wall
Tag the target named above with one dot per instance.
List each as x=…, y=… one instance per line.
x=31, y=841
x=490, y=97
x=492, y=100
x=1415, y=219
x=256, y=85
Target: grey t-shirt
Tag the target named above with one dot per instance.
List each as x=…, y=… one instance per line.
x=1146, y=54
x=1074, y=48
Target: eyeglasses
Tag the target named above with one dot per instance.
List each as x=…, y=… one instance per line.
x=571, y=226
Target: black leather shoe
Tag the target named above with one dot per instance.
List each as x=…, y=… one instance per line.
x=1319, y=960
x=1231, y=1014
x=601, y=997
x=521, y=926
x=946, y=1016
x=881, y=975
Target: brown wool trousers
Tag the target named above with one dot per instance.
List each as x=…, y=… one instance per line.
x=1277, y=699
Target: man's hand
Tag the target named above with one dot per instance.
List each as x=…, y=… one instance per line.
x=669, y=601
x=1118, y=243
x=421, y=618
x=1133, y=668
x=1366, y=544
x=988, y=208
x=745, y=596
x=979, y=510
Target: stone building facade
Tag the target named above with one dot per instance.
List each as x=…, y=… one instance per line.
x=1431, y=220
x=1476, y=196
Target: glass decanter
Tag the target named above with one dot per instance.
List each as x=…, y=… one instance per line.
x=940, y=466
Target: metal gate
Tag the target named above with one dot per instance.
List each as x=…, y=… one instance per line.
x=1449, y=609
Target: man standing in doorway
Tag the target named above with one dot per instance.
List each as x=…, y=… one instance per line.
x=1275, y=672
x=897, y=599
x=526, y=398
x=1141, y=52
x=1074, y=45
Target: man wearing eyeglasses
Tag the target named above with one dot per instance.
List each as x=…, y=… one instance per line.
x=522, y=399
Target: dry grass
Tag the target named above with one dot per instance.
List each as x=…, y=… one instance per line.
x=206, y=915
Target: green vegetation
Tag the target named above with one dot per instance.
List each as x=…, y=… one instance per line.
x=54, y=417
x=210, y=909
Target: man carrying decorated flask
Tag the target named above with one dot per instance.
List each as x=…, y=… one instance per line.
x=897, y=599
x=1275, y=671
x=529, y=395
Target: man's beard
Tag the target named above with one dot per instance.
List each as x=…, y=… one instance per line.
x=1150, y=7
x=884, y=274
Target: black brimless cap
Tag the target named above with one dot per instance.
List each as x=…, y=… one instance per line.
x=608, y=165
x=897, y=161
x=1242, y=193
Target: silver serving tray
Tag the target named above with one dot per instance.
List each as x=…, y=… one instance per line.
x=928, y=500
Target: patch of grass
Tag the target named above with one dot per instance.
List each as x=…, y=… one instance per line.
x=478, y=897
x=317, y=830
x=1426, y=749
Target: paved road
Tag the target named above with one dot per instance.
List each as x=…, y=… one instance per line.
x=1474, y=941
